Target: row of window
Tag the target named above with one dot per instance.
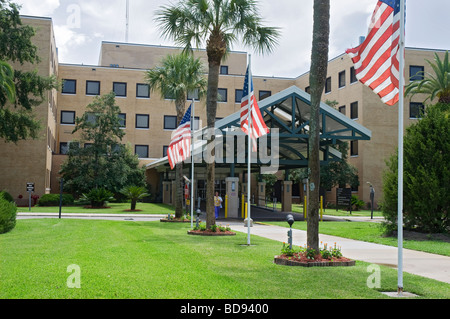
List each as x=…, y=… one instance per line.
x=143, y=91
x=142, y=151
x=142, y=120
x=93, y=88
x=416, y=73
x=416, y=110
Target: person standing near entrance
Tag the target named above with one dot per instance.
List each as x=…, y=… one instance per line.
x=217, y=204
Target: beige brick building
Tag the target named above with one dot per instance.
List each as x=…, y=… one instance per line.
x=148, y=119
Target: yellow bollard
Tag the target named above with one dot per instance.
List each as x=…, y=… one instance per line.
x=321, y=208
x=304, y=208
x=226, y=206
x=242, y=206
x=246, y=211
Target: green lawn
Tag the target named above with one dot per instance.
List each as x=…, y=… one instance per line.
x=115, y=208
x=372, y=232
x=155, y=260
x=298, y=208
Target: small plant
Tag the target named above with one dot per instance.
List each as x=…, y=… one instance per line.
x=286, y=250
x=134, y=193
x=310, y=253
x=336, y=252
x=98, y=197
x=214, y=228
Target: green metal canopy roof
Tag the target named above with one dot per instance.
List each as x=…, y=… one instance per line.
x=287, y=114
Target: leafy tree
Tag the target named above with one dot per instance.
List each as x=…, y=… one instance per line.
x=103, y=161
x=317, y=77
x=426, y=175
x=134, y=193
x=434, y=85
x=7, y=85
x=219, y=24
x=17, y=121
x=177, y=76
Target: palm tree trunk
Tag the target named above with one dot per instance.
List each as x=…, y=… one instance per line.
x=318, y=74
x=180, y=104
x=211, y=111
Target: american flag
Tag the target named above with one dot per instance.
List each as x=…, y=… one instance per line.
x=377, y=58
x=180, y=143
x=259, y=127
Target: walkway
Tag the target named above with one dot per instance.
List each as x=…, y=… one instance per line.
x=415, y=262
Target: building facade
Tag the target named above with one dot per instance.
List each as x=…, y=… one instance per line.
x=149, y=119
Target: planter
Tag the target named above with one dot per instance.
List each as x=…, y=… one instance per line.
x=165, y=220
x=210, y=233
x=336, y=262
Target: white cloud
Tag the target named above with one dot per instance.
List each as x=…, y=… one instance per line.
x=38, y=8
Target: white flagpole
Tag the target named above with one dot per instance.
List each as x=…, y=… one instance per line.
x=249, y=117
x=400, y=146
x=192, y=161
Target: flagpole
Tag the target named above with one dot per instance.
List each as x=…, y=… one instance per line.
x=400, y=146
x=249, y=118
x=192, y=162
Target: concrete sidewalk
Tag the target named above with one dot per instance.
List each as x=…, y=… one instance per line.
x=415, y=262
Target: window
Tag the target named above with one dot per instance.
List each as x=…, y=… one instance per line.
x=416, y=73
x=354, y=110
x=224, y=69
x=328, y=85
x=308, y=89
x=342, y=109
x=91, y=118
x=165, y=148
x=123, y=120
x=63, y=148
x=142, y=121
x=416, y=110
x=142, y=90
x=354, y=148
x=120, y=89
x=170, y=122
x=264, y=94
x=222, y=95
x=69, y=87
x=68, y=117
x=238, y=95
x=141, y=151
x=341, y=79
x=353, y=78
x=92, y=88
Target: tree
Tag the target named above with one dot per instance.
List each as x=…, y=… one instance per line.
x=218, y=23
x=177, y=76
x=7, y=85
x=17, y=121
x=102, y=162
x=434, y=85
x=426, y=175
x=134, y=193
x=317, y=77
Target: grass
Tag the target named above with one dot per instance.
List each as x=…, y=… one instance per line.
x=153, y=260
x=372, y=232
x=115, y=208
x=298, y=208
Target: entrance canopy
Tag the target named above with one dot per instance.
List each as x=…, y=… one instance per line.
x=287, y=115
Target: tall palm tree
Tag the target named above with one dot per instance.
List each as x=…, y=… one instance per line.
x=7, y=81
x=434, y=85
x=177, y=76
x=218, y=24
x=318, y=74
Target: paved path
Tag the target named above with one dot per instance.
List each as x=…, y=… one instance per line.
x=419, y=263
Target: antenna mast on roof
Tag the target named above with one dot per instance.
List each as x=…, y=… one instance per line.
x=128, y=21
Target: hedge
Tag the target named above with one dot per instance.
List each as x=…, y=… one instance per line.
x=53, y=200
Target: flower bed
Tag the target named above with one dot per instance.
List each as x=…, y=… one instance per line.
x=308, y=257
x=174, y=220
x=215, y=230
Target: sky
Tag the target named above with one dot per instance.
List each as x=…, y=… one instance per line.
x=81, y=25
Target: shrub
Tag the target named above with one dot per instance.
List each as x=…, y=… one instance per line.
x=356, y=202
x=53, y=200
x=8, y=211
x=134, y=193
x=426, y=175
x=98, y=197
x=7, y=196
